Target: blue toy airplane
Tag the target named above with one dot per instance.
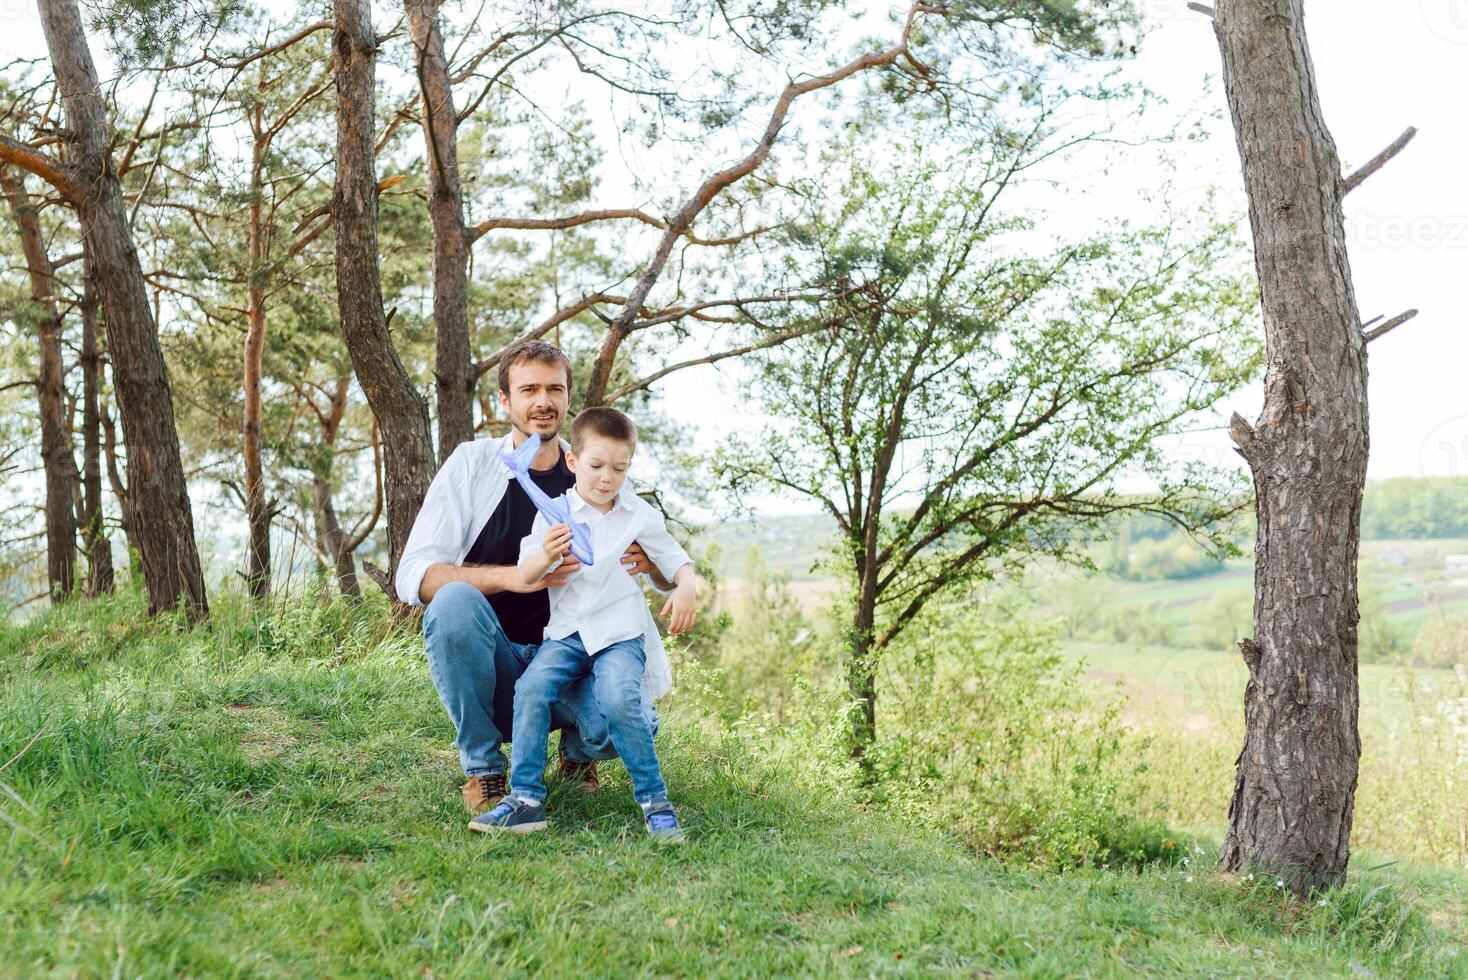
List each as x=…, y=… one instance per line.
x=557, y=510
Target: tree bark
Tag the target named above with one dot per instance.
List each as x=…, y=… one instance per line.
x=257, y=508
x=94, y=534
x=165, y=527
x=1295, y=786
x=56, y=449
x=861, y=670
x=399, y=408
x=454, y=366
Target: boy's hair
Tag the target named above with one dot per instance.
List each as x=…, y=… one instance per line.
x=532, y=350
x=602, y=421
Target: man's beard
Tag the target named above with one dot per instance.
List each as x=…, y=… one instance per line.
x=527, y=427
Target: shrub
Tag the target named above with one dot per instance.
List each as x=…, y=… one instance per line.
x=984, y=729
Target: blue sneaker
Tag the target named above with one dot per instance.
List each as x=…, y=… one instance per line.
x=512, y=814
x=662, y=822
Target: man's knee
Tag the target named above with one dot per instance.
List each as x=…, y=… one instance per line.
x=456, y=609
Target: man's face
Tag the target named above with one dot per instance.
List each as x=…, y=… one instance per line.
x=538, y=399
x=600, y=468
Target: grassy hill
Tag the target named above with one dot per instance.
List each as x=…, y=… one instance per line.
x=278, y=796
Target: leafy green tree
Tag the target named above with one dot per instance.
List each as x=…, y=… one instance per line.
x=970, y=401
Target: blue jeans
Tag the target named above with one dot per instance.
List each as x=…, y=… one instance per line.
x=616, y=677
x=475, y=666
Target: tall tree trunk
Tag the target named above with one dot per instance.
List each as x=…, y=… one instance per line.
x=257, y=508
x=396, y=403
x=56, y=457
x=94, y=534
x=165, y=527
x=1296, y=781
x=453, y=366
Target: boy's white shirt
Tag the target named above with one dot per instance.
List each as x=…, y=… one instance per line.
x=603, y=603
x=460, y=500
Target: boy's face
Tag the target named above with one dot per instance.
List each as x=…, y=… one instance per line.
x=601, y=468
x=538, y=398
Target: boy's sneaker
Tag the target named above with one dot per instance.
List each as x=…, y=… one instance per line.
x=512, y=814
x=662, y=822
x=482, y=792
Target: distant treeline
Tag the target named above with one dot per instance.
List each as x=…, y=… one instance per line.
x=1430, y=507
x=1146, y=548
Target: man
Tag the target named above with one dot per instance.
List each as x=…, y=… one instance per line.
x=483, y=623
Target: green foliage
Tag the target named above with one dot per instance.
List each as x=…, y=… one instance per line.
x=985, y=730
x=1173, y=557
x=767, y=652
x=1432, y=507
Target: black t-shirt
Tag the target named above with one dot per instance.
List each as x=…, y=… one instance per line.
x=522, y=615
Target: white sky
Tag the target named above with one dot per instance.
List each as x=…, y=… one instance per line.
x=1381, y=65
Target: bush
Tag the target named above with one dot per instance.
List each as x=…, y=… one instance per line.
x=1442, y=642
x=982, y=729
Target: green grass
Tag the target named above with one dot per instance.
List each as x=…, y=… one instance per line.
x=280, y=798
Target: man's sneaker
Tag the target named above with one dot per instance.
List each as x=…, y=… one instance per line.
x=512, y=814
x=662, y=822
x=483, y=792
x=581, y=773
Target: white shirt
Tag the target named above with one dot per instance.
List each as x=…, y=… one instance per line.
x=462, y=497
x=602, y=602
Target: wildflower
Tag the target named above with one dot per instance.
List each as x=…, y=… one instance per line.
x=1322, y=903
x=1279, y=883
x=1188, y=878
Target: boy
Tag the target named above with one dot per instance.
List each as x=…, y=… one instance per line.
x=599, y=625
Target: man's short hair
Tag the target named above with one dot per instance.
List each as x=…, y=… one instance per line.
x=608, y=423
x=532, y=350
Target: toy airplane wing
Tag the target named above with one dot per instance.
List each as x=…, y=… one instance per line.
x=555, y=509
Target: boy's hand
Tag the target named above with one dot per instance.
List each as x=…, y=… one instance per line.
x=557, y=541
x=680, y=610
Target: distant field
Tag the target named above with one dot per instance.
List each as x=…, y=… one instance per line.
x=1404, y=582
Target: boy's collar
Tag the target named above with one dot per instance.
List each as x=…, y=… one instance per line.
x=580, y=503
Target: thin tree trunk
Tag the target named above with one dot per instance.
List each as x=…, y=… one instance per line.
x=330, y=538
x=861, y=672
x=396, y=403
x=120, y=491
x=1295, y=786
x=99, y=546
x=164, y=528
x=330, y=533
x=454, y=366
x=56, y=450
x=257, y=509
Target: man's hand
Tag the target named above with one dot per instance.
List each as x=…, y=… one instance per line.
x=635, y=560
x=557, y=576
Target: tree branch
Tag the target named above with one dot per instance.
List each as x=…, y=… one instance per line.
x=716, y=183
x=43, y=165
x=1389, y=325
x=774, y=341
x=555, y=319
x=1380, y=160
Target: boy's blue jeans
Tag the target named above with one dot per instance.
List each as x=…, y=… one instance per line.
x=475, y=666
x=616, y=679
